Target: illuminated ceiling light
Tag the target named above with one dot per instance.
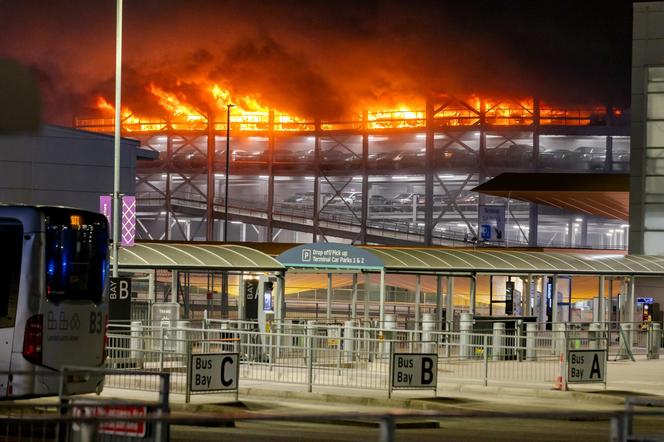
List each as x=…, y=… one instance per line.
x=400, y=177
x=420, y=136
x=624, y=226
x=219, y=175
x=263, y=177
x=357, y=178
x=579, y=220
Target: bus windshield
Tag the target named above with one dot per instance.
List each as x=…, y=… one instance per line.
x=76, y=256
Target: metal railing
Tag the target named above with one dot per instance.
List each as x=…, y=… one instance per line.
x=41, y=422
x=342, y=356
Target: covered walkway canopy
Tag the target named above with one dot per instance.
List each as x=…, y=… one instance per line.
x=192, y=256
x=513, y=262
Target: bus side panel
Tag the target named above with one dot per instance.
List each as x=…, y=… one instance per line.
x=28, y=304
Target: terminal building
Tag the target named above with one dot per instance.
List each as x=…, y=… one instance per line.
x=394, y=177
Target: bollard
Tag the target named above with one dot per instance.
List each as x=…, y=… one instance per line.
x=531, y=341
x=497, y=345
x=389, y=325
x=654, y=340
x=136, y=343
x=349, y=343
x=428, y=338
x=465, y=328
x=181, y=337
x=595, y=333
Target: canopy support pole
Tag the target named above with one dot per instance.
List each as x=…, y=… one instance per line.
x=473, y=289
x=328, y=309
x=449, y=303
x=418, y=301
x=439, y=302
x=382, y=297
x=353, y=306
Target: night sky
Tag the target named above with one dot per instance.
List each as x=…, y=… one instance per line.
x=323, y=59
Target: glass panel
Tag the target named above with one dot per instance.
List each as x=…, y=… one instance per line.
x=654, y=217
x=76, y=256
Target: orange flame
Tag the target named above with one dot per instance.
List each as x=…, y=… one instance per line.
x=250, y=113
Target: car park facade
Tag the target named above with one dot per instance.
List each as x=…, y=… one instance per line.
x=349, y=181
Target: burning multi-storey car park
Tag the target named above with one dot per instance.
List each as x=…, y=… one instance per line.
x=368, y=176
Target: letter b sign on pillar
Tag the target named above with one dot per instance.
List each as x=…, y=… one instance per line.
x=119, y=296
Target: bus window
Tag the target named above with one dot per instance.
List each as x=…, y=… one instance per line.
x=11, y=238
x=76, y=258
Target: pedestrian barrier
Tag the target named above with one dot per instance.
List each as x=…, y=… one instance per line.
x=339, y=355
x=43, y=421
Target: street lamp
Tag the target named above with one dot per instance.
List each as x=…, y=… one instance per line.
x=116, y=142
x=228, y=162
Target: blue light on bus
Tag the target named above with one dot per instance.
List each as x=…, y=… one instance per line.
x=50, y=269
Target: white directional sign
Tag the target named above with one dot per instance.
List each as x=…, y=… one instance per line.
x=214, y=371
x=584, y=366
x=414, y=370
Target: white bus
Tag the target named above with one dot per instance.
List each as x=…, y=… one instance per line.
x=54, y=265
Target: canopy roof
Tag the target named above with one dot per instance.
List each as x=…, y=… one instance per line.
x=192, y=256
x=432, y=260
x=601, y=194
x=412, y=260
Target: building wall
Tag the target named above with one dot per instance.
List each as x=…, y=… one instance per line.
x=64, y=167
x=647, y=133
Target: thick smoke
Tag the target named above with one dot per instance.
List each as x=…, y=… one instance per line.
x=321, y=59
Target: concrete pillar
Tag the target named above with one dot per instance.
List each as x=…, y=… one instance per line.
x=465, y=328
x=353, y=305
x=439, y=303
x=497, y=344
x=418, y=294
x=328, y=305
x=473, y=289
x=449, y=304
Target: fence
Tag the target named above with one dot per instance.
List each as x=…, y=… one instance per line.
x=41, y=422
x=331, y=355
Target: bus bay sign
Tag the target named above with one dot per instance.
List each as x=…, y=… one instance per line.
x=586, y=366
x=214, y=372
x=411, y=371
